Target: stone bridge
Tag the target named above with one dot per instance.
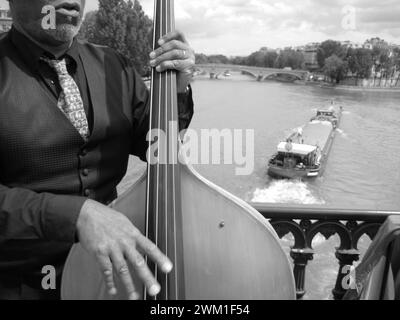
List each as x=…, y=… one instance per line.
x=261, y=74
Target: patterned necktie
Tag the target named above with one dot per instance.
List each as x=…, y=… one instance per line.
x=70, y=100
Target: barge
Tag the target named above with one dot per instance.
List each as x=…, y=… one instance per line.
x=304, y=154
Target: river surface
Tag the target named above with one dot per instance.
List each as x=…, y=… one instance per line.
x=362, y=172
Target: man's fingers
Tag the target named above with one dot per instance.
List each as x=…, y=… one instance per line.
x=107, y=271
x=154, y=253
x=143, y=272
x=169, y=46
x=179, y=65
x=121, y=269
x=175, y=54
x=174, y=35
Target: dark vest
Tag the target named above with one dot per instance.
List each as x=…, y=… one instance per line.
x=40, y=150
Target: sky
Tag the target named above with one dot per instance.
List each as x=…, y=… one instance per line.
x=240, y=27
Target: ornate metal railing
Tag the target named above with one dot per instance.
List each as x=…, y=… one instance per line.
x=305, y=223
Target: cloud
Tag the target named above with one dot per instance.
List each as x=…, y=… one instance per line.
x=242, y=26
x=4, y=4
x=239, y=27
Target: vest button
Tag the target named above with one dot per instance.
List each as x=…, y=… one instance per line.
x=84, y=152
x=85, y=172
x=87, y=192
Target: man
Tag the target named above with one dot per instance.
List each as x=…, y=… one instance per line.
x=71, y=113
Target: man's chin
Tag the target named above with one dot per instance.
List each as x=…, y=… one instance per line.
x=63, y=33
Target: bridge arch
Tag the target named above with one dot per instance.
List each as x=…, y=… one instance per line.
x=249, y=73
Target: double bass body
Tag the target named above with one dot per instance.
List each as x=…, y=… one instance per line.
x=221, y=248
x=230, y=251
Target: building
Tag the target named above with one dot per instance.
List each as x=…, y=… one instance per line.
x=376, y=43
x=5, y=20
x=310, y=53
x=351, y=45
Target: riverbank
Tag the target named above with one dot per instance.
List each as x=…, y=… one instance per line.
x=364, y=89
x=350, y=88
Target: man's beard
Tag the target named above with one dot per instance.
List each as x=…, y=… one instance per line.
x=66, y=28
x=63, y=32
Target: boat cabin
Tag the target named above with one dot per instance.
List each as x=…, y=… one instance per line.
x=294, y=155
x=326, y=115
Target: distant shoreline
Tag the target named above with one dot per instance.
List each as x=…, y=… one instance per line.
x=325, y=85
x=354, y=88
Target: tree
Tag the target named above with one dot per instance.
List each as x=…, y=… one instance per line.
x=88, y=28
x=263, y=58
x=124, y=27
x=138, y=37
x=111, y=25
x=256, y=59
x=218, y=59
x=396, y=62
x=360, y=62
x=238, y=60
x=329, y=48
x=289, y=58
x=201, y=58
x=335, y=68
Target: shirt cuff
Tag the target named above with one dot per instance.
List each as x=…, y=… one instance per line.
x=61, y=216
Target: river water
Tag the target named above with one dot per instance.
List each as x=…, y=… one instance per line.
x=363, y=169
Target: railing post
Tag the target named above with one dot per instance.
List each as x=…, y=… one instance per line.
x=346, y=259
x=327, y=222
x=301, y=258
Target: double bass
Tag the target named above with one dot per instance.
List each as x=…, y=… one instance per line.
x=221, y=248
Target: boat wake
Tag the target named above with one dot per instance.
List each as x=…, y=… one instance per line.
x=288, y=192
x=342, y=133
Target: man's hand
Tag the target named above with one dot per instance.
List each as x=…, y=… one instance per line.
x=174, y=53
x=115, y=242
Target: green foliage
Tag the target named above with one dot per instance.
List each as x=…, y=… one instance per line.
x=335, y=68
x=88, y=28
x=122, y=26
x=360, y=62
x=111, y=24
x=336, y=60
x=329, y=48
x=201, y=58
x=263, y=58
x=289, y=58
x=138, y=38
x=218, y=58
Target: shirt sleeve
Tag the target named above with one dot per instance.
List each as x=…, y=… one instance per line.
x=141, y=112
x=26, y=215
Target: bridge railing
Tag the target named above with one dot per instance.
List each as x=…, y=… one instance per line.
x=306, y=223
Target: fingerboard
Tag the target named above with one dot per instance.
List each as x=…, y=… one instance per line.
x=163, y=212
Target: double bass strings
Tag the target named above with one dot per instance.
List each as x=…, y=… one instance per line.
x=165, y=289
x=147, y=217
x=162, y=202
x=160, y=75
x=175, y=155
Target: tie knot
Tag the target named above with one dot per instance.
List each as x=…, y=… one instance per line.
x=60, y=66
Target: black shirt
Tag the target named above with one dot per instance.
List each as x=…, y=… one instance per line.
x=31, y=54
x=47, y=171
